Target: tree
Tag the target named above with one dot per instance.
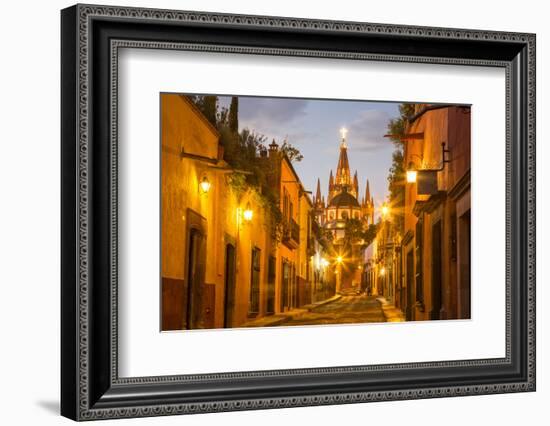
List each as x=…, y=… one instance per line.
x=370, y=234
x=233, y=119
x=291, y=152
x=396, y=177
x=210, y=108
x=242, y=152
x=208, y=105
x=355, y=232
x=397, y=128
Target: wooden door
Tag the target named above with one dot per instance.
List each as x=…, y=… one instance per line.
x=436, y=271
x=195, y=277
x=409, y=312
x=229, y=285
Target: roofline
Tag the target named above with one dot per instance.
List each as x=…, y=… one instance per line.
x=285, y=158
x=433, y=107
x=198, y=112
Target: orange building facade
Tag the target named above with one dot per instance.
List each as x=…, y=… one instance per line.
x=435, y=266
x=221, y=264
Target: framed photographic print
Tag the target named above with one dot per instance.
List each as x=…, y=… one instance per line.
x=263, y=212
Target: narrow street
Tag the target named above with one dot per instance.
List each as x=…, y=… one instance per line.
x=348, y=309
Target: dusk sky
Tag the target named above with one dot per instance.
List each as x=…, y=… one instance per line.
x=313, y=126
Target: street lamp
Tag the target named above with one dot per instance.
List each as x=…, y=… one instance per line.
x=382, y=271
x=204, y=185
x=248, y=213
x=411, y=173
x=385, y=210
x=339, y=260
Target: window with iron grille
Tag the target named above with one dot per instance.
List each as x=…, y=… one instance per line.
x=254, y=302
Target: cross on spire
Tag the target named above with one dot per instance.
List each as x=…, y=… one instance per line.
x=344, y=132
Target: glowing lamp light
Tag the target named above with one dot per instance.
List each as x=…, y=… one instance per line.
x=324, y=262
x=385, y=209
x=316, y=260
x=411, y=173
x=411, y=176
x=339, y=259
x=248, y=213
x=382, y=271
x=205, y=185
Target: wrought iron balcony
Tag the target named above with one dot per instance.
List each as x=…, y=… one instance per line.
x=291, y=234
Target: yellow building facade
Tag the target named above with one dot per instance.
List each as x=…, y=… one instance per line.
x=215, y=243
x=222, y=264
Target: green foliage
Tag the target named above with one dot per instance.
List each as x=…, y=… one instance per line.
x=293, y=153
x=396, y=176
x=396, y=129
x=370, y=234
x=208, y=105
x=233, y=118
x=242, y=152
x=237, y=182
x=355, y=231
x=323, y=236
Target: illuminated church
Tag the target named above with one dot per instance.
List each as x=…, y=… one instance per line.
x=343, y=197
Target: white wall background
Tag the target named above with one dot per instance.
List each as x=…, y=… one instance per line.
x=30, y=228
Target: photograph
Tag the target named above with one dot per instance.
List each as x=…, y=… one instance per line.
x=312, y=212
x=273, y=208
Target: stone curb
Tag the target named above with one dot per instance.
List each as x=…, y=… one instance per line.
x=391, y=313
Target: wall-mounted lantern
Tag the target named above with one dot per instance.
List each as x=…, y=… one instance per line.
x=248, y=213
x=411, y=173
x=204, y=185
x=426, y=179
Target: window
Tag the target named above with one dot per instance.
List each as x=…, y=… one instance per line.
x=285, y=203
x=254, y=302
x=285, y=282
x=418, y=256
x=271, y=285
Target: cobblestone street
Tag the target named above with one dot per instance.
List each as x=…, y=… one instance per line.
x=347, y=309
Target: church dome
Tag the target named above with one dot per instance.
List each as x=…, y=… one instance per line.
x=344, y=199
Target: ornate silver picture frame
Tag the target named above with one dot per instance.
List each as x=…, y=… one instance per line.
x=91, y=38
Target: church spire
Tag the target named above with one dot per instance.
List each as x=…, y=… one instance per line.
x=330, y=186
x=356, y=185
x=318, y=192
x=342, y=172
x=367, y=192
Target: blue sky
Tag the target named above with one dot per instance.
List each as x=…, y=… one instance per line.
x=313, y=126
